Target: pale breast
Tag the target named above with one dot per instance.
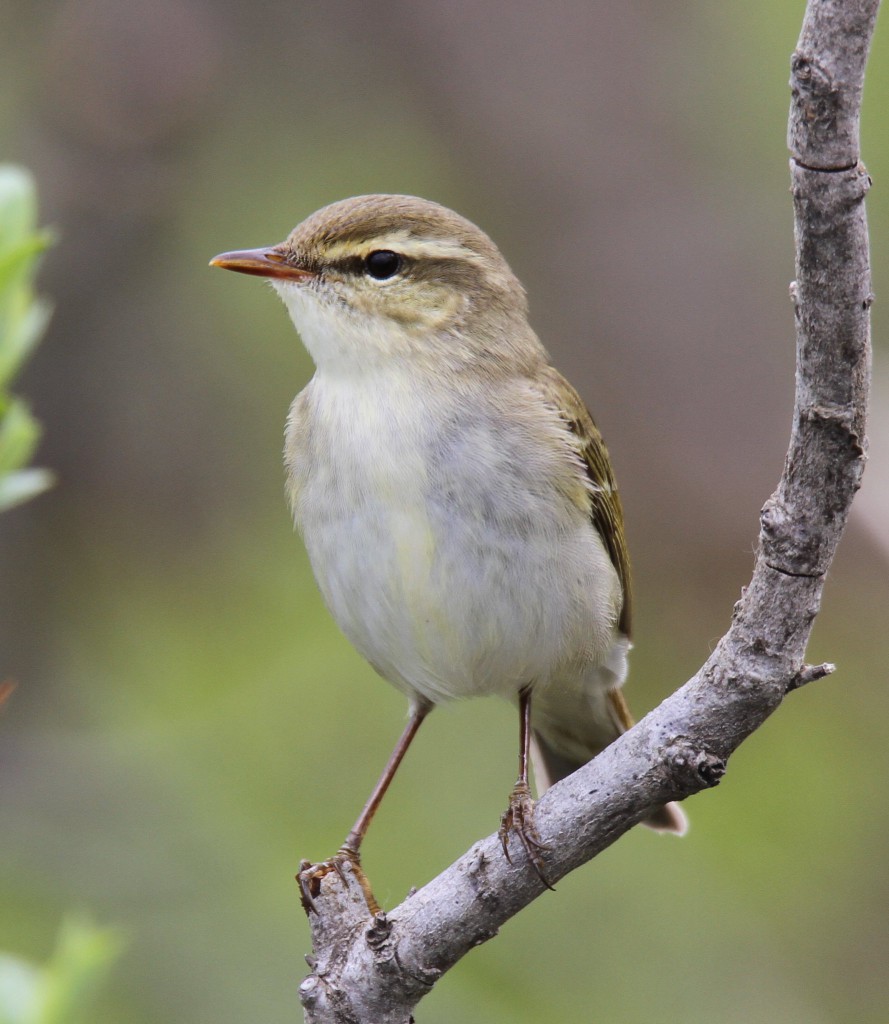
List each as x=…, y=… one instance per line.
x=442, y=540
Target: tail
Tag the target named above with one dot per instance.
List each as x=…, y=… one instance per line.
x=564, y=738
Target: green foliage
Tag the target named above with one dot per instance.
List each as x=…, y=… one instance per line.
x=23, y=318
x=61, y=992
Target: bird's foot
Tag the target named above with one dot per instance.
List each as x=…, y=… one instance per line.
x=518, y=820
x=344, y=862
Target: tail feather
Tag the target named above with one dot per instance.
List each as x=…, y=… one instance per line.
x=551, y=764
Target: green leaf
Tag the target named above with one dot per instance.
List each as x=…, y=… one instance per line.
x=18, y=262
x=18, y=204
x=20, y=988
x=23, y=319
x=19, y=434
x=62, y=991
x=20, y=334
x=76, y=971
x=16, y=488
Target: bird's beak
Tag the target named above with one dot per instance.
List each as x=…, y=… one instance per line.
x=268, y=262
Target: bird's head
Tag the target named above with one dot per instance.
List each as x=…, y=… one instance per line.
x=382, y=277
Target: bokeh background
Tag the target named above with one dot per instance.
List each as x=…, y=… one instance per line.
x=189, y=723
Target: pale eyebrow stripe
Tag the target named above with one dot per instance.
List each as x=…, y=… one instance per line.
x=402, y=243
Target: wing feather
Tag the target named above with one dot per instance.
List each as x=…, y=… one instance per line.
x=605, y=510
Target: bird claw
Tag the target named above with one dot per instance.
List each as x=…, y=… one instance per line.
x=518, y=820
x=310, y=875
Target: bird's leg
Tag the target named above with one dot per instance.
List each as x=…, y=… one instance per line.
x=310, y=875
x=518, y=817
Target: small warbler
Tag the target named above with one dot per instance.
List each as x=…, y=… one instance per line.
x=455, y=497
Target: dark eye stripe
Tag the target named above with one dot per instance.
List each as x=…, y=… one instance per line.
x=422, y=268
x=356, y=266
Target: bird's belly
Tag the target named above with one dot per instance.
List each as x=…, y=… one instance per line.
x=445, y=604
x=444, y=545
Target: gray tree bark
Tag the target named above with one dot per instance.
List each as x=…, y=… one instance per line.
x=375, y=970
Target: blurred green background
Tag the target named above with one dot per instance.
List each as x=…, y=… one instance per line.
x=189, y=723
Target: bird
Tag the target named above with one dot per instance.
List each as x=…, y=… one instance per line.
x=454, y=495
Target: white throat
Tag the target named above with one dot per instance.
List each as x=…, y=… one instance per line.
x=338, y=338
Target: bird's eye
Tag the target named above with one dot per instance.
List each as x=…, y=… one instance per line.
x=382, y=264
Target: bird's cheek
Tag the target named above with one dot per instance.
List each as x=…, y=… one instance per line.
x=438, y=308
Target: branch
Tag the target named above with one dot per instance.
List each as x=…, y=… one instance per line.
x=376, y=970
